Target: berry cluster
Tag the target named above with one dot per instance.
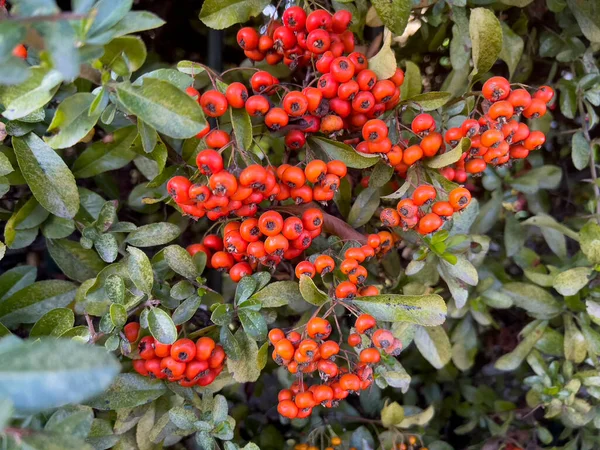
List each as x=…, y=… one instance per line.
x=312, y=353
x=300, y=38
x=225, y=194
x=334, y=442
x=411, y=213
x=350, y=266
x=186, y=362
x=498, y=137
x=266, y=240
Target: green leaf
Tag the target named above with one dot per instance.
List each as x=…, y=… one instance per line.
x=73, y=420
x=76, y=262
x=545, y=177
x=180, y=261
x=53, y=323
x=311, y=293
x=242, y=128
x=434, y=345
x=107, y=247
x=222, y=14
x=15, y=279
x=343, y=152
x=513, y=360
x=72, y=120
x=161, y=326
x=514, y=235
x=136, y=21
x=545, y=221
x=57, y=227
x=128, y=391
x=449, y=158
x=30, y=215
x=48, y=177
x=39, y=375
x=100, y=157
x=24, y=99
x=519, y=3
x=164, y=107
x=32, y=302
x=279, y=293
x=575, y=344
x=580, y=151
x=538, y=302
x=571, y=281
x=419, y=419
x=114, y=285
x=394, y=14
x=413, y=83
x=124, y=55
x=159, y=233
x=254, y=324
x=588, y=17
x=245, y=369
x=381, y=174
x=512, y=47
x=392, y=414
x=148, y=136
x=431, y=100
x=364, y=207
x=140, y=270
x=427, y=310
x=486, y=37
x=245, y=288
x=589, y=238
x=5, y=165
x=384, y=62
x=186, y=310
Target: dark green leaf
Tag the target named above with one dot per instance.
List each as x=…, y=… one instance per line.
x=394, y=14
x=512, y=46
x=343, y=152
x=277, y=294
x=128, y=391
x=24, y=99
x=381, y=174
x=186, y=310
x=245, y=369
x=449, y=158
x=580, y=151
x=364, y=207
x=588, y=17
x=15, y=279
x=486, y=38
x=222, y=14
x=48, y=177
x=242, y=128
x=538, y=302
x=164, y=107
x=513, y=360
x=53, y=323
x=75, y=261
x=431, y=100
x=72, y=120
x=32, y=302
x=180, y=261
x=100, y=157
x=124, y=55
x=254, y=324
x=311, y=293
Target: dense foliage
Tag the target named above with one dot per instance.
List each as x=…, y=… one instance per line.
x=358, y=235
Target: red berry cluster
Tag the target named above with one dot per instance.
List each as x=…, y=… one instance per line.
x=350, y=266
x=225, y=194
x=498, y=137
x=266, y=240
x=300, y=38
x=186, y=362
x=314, y=354
x=412, y=213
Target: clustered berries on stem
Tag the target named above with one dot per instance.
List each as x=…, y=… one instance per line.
x=497, y=136
x=420, y=212
x=185, y=362
x=313, y=354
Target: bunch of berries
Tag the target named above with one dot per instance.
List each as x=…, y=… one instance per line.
x=266, y=240
x=311, y=353
x=411, y=444
x=185, y=362
x=300, y=38
x=226, y=194
x=422, y=212
x=498, y=137
x=334, y=442
x=355, y=285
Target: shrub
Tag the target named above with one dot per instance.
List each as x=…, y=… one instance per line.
x=377, y=228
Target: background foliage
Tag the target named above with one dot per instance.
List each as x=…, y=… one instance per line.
x=95, y=122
